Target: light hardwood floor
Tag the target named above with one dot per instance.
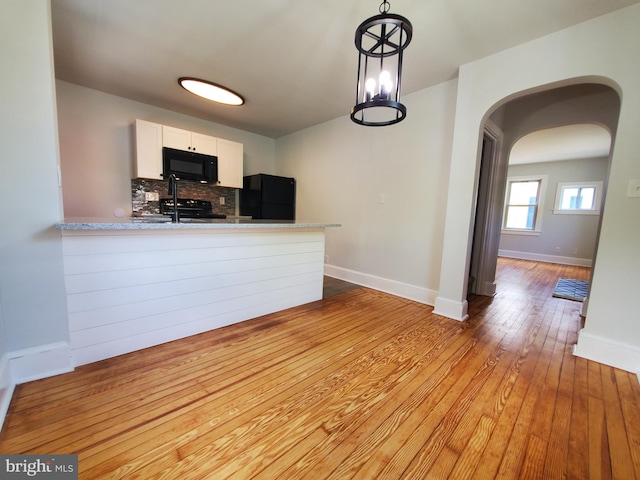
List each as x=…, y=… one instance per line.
x=358, y=385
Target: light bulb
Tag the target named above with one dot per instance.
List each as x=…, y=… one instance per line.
x=385, y=84
x=370, y=87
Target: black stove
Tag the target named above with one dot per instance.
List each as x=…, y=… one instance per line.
x=189, y=208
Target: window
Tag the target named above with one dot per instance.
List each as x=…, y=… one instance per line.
x=578, y=198
x=522, y=210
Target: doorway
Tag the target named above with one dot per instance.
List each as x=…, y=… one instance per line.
x=505, y=125
x=488, y=215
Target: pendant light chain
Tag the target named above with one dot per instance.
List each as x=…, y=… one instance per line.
x=384, y=7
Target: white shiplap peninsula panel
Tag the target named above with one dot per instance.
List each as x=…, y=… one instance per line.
x=131, y=289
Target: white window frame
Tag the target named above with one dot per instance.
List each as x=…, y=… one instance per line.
x=541, y=195
x=597, y=199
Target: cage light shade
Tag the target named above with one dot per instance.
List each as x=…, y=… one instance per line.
x=380, y=41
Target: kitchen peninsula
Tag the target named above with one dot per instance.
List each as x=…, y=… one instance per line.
x=134, y=283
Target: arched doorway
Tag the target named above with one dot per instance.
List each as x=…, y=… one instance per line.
x=506, y=124
x=575, y=56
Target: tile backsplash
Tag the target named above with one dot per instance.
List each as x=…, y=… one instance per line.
x=186, y=189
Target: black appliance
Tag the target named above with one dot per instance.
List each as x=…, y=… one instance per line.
x=189, y=165
x=188, y=208
x=268, y=197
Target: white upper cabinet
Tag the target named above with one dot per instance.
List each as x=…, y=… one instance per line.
x=148, y=150
x=230, y=163
x=176, y=138
x=151, y=137
x=204, y=144
x=189, y=141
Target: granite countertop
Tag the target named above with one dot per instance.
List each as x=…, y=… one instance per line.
x=164, y=223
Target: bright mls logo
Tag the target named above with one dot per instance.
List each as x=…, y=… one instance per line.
x=50, y=467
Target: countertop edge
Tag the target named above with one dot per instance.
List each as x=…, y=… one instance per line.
x=221, y=224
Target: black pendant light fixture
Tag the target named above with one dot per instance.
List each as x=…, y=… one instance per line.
x=380, y=41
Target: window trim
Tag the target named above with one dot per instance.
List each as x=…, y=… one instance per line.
x=597, y=199
x=540, y=206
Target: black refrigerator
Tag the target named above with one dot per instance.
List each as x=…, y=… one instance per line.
x=268, y=197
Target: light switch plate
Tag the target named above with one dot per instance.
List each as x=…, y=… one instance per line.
x=151, y=196
x=634, y=188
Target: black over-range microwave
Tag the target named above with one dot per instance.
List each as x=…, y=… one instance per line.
x=189, y=165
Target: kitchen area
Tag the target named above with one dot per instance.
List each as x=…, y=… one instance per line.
x=203, y=247
x=203, y=175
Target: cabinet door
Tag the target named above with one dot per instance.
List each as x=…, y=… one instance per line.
x=204, y=144
x=176, y=138
x=229, y=163
x=148, y=150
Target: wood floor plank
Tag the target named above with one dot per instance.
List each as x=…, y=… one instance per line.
x=95, y=404
x=369, y=371
x=621, y=461
x=541, y=423
x=443, y=465
x=629, y=392
x=459, y=423
x=533, y=465
x=530, y=343
x=578, y=455
x=431, y=382
x=373, y=465
x=517, y=343
x=558, y=447
x=255, y=405
x=599, y=467
x=359, y=385
x=370, y=452
x=467, y=462
x=428, y=429
x=507, y=445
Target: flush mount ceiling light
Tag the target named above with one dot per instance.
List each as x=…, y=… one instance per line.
x=380, y=41
x=210, y=91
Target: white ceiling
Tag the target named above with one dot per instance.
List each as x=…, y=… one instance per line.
x=570, y=142
x=294, y=61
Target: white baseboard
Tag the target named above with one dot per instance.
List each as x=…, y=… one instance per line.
x=609, y=352
x=6, y=387
x=399, y=289
x=540, y=257
x=31, y=364
x=454, y=309
x=40, y=362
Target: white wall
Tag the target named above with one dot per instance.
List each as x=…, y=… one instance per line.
x=32, y=294
x=564, y=238
x=603, y=49
x=387, y=188
x=97, y=147
x=31, y=282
